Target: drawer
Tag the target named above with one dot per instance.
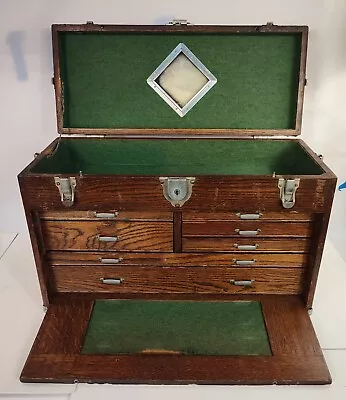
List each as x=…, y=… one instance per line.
x=202, y=244
x=107, y=235
x=178, y=259
x=116, y=279
x=286, y=215
x=108, y=215
x=247, y=228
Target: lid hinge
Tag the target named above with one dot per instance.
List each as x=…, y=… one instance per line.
x=179, y=22
x=288, y=189
x=66, y=187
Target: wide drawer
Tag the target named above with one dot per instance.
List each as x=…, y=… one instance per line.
x=247, y=228
x=242, y=244
x=177, y=259
x=108, y=235
x=116, y=279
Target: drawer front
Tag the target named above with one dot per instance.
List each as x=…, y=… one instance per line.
x=177, y=280
x=248, y=215
x=247, y=228
x=177, y=260
x=206, y=244
x=108, y=215
x=108, y=235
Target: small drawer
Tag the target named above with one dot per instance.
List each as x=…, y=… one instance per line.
x=249, y=228
x=243, y=244
x=117, y=279
x=248, y=215
x=60, y=258
x=107, y=235
x=107, y=215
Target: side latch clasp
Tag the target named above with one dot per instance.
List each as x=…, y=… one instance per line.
x=288, y=189
x=66, y=188
x=177, y=190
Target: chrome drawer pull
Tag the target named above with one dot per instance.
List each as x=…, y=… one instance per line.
x=106, y=215
x=110, y=260
x=242, y=283
x=108, y=238
x=248, y=233
x=246, y=247
x=249, y=216
x=244, y=262
x=112, y=281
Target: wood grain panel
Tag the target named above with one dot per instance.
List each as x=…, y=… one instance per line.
x=205, y=244
x=229, y=228
x=290, y=340
x=220, y=194
x=85, y=235
x=177, y=259
x=63, y=328
x=178, y=370
x=177, y=280
x=209, y=194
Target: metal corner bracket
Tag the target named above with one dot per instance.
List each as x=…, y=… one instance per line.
x=177, y=190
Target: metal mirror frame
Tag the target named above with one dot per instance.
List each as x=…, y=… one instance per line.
x=181, y=49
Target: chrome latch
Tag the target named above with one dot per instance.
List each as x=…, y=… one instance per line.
x=179, y=22
x=288, y=189
x=66, y=188
x=177, y=190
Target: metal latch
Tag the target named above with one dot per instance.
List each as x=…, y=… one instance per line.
x=177, y=21
x=288, y=188
x=177, y=190
x=66, y=188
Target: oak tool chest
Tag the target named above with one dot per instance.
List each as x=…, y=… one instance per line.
x=177, y=223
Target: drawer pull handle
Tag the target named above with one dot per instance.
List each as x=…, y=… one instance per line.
x=244, y=262
x=248, y=233
x=108, y=238
x=242, y=283
x=110, y=260
x=106, y=215
x=246, y=247
x=249, y=216
x=112, y=281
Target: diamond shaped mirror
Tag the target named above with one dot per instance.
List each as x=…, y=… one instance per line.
x=181, y=80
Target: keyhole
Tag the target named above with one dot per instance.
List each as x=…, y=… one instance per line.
x=176, y=192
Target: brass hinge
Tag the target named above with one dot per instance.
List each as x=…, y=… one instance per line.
x=288, y=189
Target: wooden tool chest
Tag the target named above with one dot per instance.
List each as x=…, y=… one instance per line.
x=178, y=241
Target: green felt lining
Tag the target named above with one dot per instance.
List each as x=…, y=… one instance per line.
x=104, y=77
x=187, y=157
x=193, y=328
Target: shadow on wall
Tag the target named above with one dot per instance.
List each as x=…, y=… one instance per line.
x=15, y=41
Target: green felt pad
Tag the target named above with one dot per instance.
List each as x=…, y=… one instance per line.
x=104, y=77
x=189, y=327
x=188, y=157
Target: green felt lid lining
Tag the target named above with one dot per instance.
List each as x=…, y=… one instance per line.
x=103, y=79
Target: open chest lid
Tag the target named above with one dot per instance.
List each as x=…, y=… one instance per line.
x=179, y=79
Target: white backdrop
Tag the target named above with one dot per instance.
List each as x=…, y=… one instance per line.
x=27, y=109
